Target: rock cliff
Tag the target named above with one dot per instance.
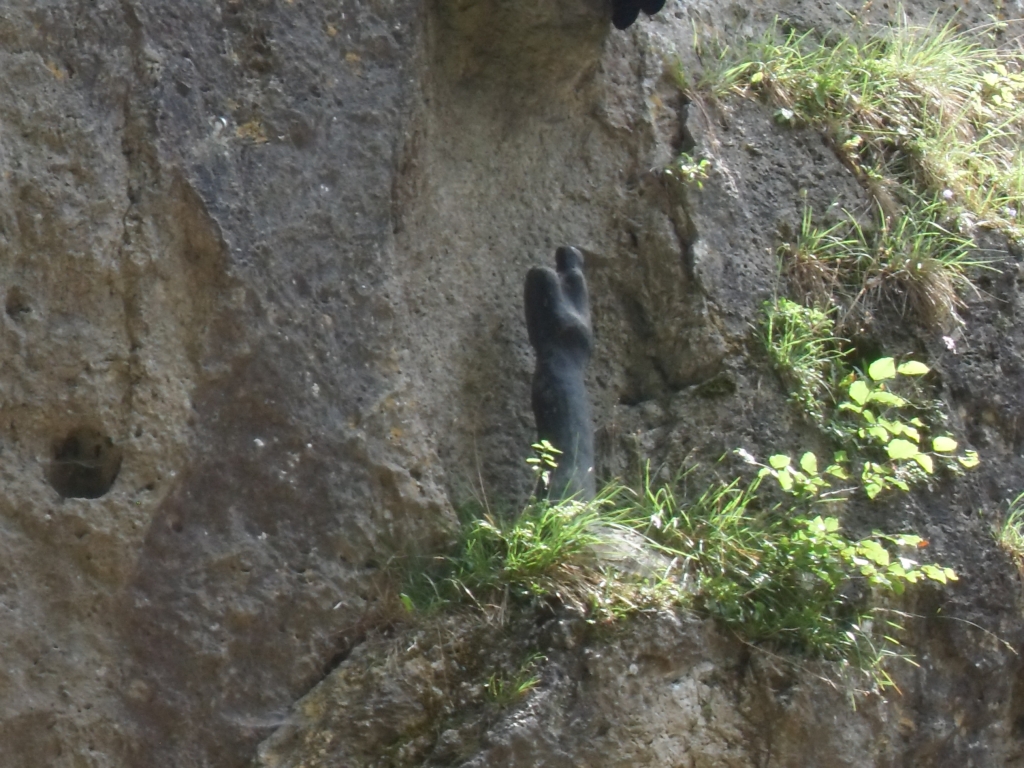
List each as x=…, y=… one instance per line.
x=262, y=263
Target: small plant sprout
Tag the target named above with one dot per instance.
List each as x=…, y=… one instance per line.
x=544, y=461
x=505, y=690
x=690, y=170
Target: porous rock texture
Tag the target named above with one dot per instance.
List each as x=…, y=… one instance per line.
x=268, y=254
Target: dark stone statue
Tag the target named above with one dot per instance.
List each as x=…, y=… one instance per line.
x=558, y=322
x=625, y=12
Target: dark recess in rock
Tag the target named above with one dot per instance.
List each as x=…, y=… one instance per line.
x=85, y=464
x=17, y=304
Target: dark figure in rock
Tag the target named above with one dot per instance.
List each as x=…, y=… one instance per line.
x=625, y=12
x=558, y=322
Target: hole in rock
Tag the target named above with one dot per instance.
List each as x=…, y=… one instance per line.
x=17, y=304
x=85, y=464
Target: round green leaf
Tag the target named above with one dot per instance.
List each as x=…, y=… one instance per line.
x=878, y=432
x=925, y=462
x=859, y=392
x=779, y=461
x=882, y=369
x=809, y=463
x=913, y=368
x=874, y=551
x=901, y=449
x=944, y=444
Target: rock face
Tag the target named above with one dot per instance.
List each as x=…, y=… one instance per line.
x=261, y=265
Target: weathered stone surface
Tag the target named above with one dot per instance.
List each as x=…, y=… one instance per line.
x=196, y=256
x=273, y=250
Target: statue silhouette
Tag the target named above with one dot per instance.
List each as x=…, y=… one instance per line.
x=558, y=323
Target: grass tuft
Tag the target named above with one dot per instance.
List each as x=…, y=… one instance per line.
x=804, y=349
x=1011, y=533
x=931, y=123
x=916, y=263
x=928, y=107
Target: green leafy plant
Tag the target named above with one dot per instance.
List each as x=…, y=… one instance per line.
x=785, y=575
x=543, y=462
x=887, y=434
x=897, y=445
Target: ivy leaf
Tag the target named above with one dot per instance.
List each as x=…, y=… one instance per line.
x=943, y=444
x=913, y=368
x=785, y=480
x=874, y=551
x=809, y=463
x=878, y=432
x=901, y=449
x=887, y=398
x=925, y=461
x=882, y=369
x=837, y=471
x=859, y=392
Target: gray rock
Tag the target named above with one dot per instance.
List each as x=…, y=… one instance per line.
x=273, y=251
